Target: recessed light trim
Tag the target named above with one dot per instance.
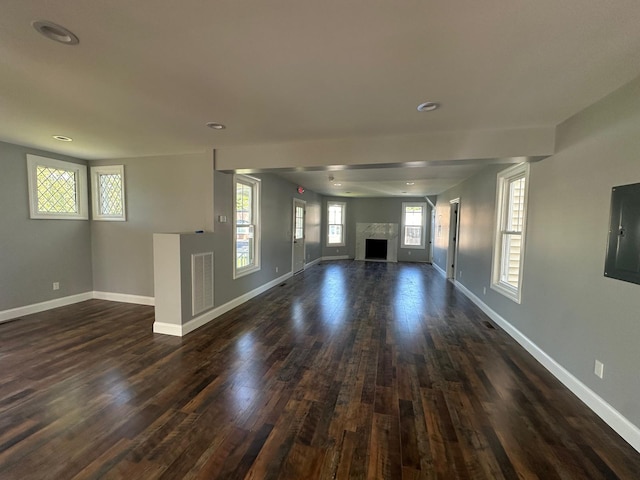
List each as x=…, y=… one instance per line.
x=216, y=126
x=410, y=183
x=62, y=138
x=55, y=32
x=337, y=184
x=428, y=106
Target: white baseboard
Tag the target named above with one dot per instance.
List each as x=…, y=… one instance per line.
x=313, y=262
x=613, y=418
x=124, y=297
x=336, y=257
x=167, y=329
x=191, y=325
x=42, y=306
x=440, y=270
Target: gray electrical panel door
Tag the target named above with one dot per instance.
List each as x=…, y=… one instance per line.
x=623, y=249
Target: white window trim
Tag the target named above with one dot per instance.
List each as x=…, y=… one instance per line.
x=80, y=172
x=509, y=291
x=95, y=194
x=424, y=224
x=255, y=184
x=343, y=243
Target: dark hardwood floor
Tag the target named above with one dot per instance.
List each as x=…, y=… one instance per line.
x=349, y=370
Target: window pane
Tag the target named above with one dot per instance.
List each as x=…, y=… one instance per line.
x=244, y=245
x=243, y=204
x=413, y=215
x=335, y=233
x=299, y=228
x=110, y=194
x=56, y=190
x=335, y=214
x=510, y=261
x=412, y=235
x=515, y=214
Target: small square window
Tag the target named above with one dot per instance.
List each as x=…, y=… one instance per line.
x=57, y=189
x=107, y=185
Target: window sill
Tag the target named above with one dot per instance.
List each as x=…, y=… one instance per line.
x=245, y=271
x=507, y=291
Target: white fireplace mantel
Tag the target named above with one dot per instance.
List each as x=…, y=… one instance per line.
x=378, y=231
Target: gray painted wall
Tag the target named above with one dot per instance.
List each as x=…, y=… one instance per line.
x=164, y=194
x=276, y=227
x=376, y=210
x=569, y=309
x=36, y=253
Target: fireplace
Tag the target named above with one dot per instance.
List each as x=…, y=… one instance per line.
x=375, y=249
x=377, y=242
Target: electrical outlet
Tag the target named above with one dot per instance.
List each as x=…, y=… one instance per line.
x=56, y=285
x=599, y=369
x=484, y=290
x=409, y=252
x=460, y=274
x=337, y=250
x=276, y=269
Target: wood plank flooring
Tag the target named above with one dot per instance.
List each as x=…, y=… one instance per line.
x=348, y=370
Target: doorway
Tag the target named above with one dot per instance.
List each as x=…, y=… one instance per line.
x=298, y=248
x=454, y=234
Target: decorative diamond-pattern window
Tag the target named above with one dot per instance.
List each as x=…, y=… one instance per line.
x=57, y=189
x=107, y=183
x=508, y=248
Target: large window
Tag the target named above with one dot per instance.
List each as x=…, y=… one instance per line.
x=508, y=247
x=335, y=224
x=107, y=192
x=57, y=189
x=414, y=220
x=246, y=240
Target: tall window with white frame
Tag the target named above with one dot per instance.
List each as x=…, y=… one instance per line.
x=246, y=239
x=509, y=242
x=414, y=220
x=336, y=214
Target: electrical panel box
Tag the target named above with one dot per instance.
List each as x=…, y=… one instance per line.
x=623, y=248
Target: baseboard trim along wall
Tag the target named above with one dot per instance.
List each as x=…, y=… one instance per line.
x=335, y=257
x=437, y=267
x=312, y=262
x=7, y=315
x=613, y=418
x=124, y=298
x=191, y=325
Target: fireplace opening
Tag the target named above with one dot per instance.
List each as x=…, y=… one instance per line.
x=375, y=249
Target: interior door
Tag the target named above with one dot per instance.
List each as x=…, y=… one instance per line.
x=298, y=235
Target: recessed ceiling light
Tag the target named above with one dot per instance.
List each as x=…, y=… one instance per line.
x=428, y=106
x=411, y=183
x=337, y=184
x=62, y=138
x=55, y=32
x=216, y=126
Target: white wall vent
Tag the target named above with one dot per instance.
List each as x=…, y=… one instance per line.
x=201, y=282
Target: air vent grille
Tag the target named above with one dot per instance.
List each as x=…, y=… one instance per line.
x=201, y=282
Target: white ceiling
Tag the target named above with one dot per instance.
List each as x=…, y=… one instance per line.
x=148, y=75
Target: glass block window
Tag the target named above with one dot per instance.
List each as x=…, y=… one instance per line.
x=336, y=223
x=508, y=249
x=414, y=220
x=57, y=189
x=107, y=192
x=246, y=225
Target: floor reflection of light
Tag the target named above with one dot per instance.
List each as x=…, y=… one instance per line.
x=298, y=315
x=118, y=387
x=333, y=298
x=245, y=344
x=408, y=298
